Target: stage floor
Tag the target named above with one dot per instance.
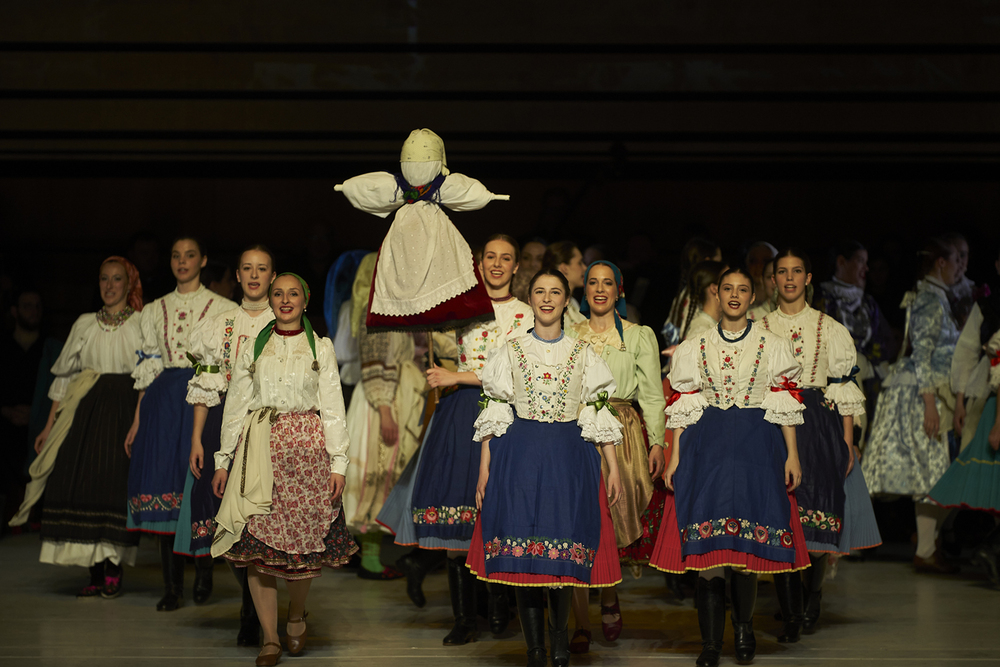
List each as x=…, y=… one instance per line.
x=875, y=613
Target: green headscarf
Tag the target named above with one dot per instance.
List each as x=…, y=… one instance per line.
x=265, y=334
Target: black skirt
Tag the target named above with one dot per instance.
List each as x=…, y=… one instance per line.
x=86, y=494
x=823, y=455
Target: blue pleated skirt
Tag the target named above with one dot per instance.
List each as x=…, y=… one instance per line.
x=196, y=523
x=860, y=529
x=160, y=454
x=824, y=457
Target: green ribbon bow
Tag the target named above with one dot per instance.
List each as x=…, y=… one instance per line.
x=199, y=368
x=603, y=402
x=484, y=400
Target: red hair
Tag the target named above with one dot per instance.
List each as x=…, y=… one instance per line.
x=134, y=298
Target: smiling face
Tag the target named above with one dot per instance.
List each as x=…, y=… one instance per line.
x=288, y=301
x=601, y=289
x=186, y=261
x=255, y=274
x=498, y=266
x=735, y=295
x=790, y=279
x=114, y=285
x=853, y=271
x=574, y=269
x=548, y=300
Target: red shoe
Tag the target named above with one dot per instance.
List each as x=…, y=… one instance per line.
x=580, y=642
x=612, y=630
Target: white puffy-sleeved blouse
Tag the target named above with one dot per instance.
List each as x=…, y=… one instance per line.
x=475, y=342
x=825, y=350
x=700, y=323
x=166, y=330
x=548, y=382
x=710, y=371
x=98, y=343
x=283, y=379
x=217, y=342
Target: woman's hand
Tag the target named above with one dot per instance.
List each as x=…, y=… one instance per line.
x=484, y=478
x=614, y=483
x=197, y=458
x=42, y=437
x=995, y=436
x=441, y=377
x=337, y=484
x=657, y=464
x=130, y=437
x=219, y=482
x=932, y=421
x=958, y=421
x=668, y=475
x=669, y=352
x=387, y=426
x=793, y=473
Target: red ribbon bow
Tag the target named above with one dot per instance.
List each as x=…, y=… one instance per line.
x=676, y=396
x=995, y=361
x=790, y=387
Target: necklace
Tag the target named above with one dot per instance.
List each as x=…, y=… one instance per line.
x=254, y=305
x=554, y=340
x=743, y=335
x=501, y=299
x=282, y=332
x=116, y=320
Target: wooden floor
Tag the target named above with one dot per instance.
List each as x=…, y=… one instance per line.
x=875, y=613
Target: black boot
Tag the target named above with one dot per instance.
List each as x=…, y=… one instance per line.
x=462, y=585
x=499, y=608
x=415, y=565
x=986, y=556
x=788, y=588
x=249, y=634
x=531, y=611
x=173, y=575
x=744, y=593
x=711, y=601
x=204, y=568
x=814, y=592
x=560, y=602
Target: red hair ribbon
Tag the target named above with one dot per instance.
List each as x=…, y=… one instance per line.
x=790, y=387
x=676, y=396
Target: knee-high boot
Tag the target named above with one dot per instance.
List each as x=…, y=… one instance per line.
x=814, y=591
x=173, y=575
x=560, y=603
x=531, y=611
x=711, y=601
x=415, y=565
x=788, y=588
x=204, y=569
x=462, y=585
x=499, y=608
x=986, y=555
x=744, y=592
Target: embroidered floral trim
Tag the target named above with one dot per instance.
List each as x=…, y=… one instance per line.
x=112, y=322
x=204, y=528
x=820, y=520
x=741, y=528
x=227, y=338
x=164, y=502
x=166, y=334
x=819, y=344
x=543, y=406
x=727, y=363
x=540, y=547
x=449, y=516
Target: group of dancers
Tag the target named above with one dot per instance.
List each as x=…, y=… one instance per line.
x=556, y=452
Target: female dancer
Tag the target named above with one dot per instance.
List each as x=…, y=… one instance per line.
x=437, y=508
x=631, y=352
x=565, y=256
x=731, y=467
x=681, y=308
x=159, y=441
x=705, y=311
x=280, y=518
x=831, y=524
x=544, y=518
x=216, y=344
x=907, y=452
x=83, y=520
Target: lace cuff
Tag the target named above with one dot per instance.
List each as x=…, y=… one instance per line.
x=197, y=395
x=781, y=408
x=599, y=426
x=848, y=398
x=784, y=418
x=493, y=420
x=147, y=371
x=57, y=390
x=685, y=410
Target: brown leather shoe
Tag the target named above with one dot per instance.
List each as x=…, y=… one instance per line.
x=297, y=643
x=268, y=659
x=936, y=564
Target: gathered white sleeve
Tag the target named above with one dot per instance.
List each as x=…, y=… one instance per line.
x=598, y=426
x=205, y=345
x=69, y=362
x=375, y=193
x=993, y=349
x=843, y=359
x=237, y=406
x=498, y=387
x=148, y=356
x=968, y=351
x=461, y=193
x=780, y=407
x=685, y=379
x=331, y=407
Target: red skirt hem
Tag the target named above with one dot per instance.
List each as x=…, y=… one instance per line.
x=668, y=557
x=606, y=571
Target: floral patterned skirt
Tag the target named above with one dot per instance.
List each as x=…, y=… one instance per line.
x=304, y=531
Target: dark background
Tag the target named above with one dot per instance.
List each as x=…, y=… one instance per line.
x=633, y=125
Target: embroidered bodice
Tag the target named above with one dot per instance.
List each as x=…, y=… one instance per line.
x=475, y=342
x=547, y=382
x=166, y=326
x=102, y=346
x=825, y=350
x=283, y=378
x=217, y=342
x=740, y=372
